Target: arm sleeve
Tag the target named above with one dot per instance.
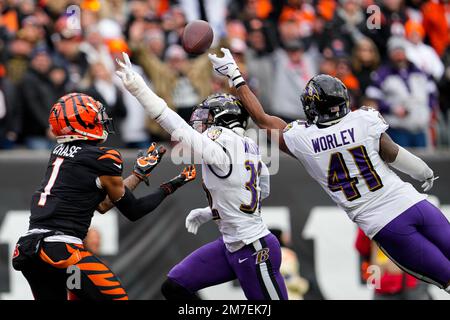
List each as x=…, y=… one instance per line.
x=264, y=181
x=134, y=209
x=413, y=166
x=210, y=151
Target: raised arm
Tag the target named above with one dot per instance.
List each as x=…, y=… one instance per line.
x=226, y=66
x=157, y=109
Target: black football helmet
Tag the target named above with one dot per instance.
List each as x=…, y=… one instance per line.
x=221, y=109
x=325, y=99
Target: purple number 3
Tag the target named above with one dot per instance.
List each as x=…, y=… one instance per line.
x=251, y=186
x=339, y=177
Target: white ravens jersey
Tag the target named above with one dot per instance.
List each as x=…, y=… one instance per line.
x=235, y=190
x=344, y=158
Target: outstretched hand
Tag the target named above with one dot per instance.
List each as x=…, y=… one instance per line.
x=136, y=85
x=187, y=175
x=226, y=66
x=132, y=80
x=146, y=162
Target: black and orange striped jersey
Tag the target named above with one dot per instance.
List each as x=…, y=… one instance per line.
x=71, y=191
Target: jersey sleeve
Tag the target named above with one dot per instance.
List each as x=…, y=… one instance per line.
x=108, y=162
x=377, y=124
x=291, y=136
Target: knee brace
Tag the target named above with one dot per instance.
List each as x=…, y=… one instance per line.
x=173, y=291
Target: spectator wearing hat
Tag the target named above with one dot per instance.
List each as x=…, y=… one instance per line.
x=67, y=43
x=293, y=69
x=421, y=54
x=38, y=97
x=405, y=96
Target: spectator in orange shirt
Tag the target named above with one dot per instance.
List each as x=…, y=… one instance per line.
x=302, y=13
x=436, y=24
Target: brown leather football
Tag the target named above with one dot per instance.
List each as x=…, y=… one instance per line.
x=197, y=37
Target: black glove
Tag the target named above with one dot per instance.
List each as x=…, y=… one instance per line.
x=188, y=174
x=145, y=163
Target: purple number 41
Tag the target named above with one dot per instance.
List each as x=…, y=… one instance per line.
x=339, y=177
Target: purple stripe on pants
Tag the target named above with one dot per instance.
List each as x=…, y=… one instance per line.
x=418, y=240
x=256, y=266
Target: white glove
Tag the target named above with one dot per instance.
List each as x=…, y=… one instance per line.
x=130, y=78
x=226, y=66
x=428, y=184
x=136, y=85
x=196, y=218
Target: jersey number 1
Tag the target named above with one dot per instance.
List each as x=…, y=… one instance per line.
x=51, y=181
x=339, y=177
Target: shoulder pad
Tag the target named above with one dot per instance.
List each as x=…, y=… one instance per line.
x=370, y=109
x=109, y=162
x=296, y=123
x=112, y=154
x=367, y=108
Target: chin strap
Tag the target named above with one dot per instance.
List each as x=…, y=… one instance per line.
x=330, y=123
x=75, y=137
x=239, y=131
x=64, y=139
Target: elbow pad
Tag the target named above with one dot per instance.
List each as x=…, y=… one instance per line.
x=134, y=209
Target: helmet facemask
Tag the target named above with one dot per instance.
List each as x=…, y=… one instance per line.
x=201, y=119
x=105, y=121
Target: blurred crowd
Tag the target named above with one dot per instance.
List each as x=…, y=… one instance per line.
x=392, y=55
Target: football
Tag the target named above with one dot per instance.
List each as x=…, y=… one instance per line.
x=197, y=37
